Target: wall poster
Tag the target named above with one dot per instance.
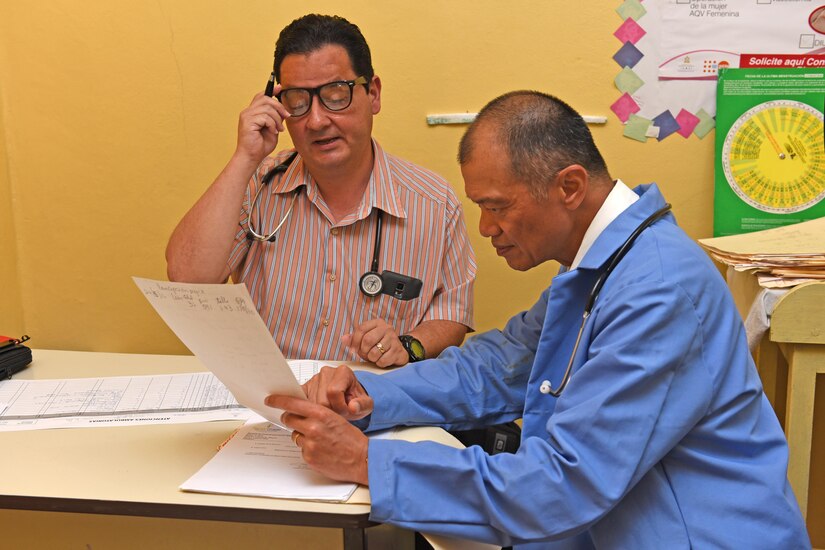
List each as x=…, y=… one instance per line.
x=770, y=149
x=671, y=52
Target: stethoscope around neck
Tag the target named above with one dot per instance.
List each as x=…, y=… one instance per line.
x=250, y=229
x=372, y=283
x=613, y=261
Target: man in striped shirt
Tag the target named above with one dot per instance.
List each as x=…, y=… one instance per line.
x=314, y=220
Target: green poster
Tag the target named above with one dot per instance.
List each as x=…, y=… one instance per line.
x=770, y=149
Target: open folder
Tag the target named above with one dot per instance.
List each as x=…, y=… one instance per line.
x=220, y=325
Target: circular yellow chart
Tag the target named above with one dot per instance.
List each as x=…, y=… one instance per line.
x=774, y=156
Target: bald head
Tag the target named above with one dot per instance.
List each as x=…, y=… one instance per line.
x=540, y=134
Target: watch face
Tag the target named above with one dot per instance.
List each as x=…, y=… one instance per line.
x=413, y=347
x=416, y=349
x=773, y=157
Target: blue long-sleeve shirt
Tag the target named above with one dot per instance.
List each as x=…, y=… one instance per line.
x=662, y=438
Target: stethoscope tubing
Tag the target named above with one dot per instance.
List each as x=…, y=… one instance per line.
x=280, y=169
x=613, y=261
x=254, y=235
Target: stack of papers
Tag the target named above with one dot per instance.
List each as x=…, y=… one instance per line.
x=781, y=257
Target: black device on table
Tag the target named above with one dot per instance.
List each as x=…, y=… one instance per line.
x=14, y=356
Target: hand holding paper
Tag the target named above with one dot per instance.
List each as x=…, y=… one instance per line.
x=221, y=326
x=329, y=443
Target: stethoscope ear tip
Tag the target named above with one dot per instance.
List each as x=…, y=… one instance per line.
x=545, y=387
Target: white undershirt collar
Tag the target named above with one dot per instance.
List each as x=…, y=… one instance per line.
x=619, y=199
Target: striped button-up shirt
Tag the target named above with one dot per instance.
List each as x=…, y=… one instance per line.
x=305, y=283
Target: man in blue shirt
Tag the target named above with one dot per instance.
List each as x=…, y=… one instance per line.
x=644, y=420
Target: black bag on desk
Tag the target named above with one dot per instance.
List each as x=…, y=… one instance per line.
x=14, y=356
x=501, y=438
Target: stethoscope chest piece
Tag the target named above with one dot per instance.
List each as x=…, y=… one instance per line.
x=371, y=283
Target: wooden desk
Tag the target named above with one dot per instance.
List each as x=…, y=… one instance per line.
x=135, y=471
x=798, y=330
x=789, y=360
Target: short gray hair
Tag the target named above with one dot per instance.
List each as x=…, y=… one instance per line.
x=541, y=134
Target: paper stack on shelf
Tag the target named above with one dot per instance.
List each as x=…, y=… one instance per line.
x=781, y=257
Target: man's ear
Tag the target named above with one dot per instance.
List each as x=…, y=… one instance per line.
x=572, y=184
x=375, y=94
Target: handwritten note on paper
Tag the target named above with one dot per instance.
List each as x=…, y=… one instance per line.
x=220, y=325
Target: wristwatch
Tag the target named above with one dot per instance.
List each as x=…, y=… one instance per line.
x=414, y=348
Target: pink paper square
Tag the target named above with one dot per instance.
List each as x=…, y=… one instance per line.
x=687, y=122
x=626, y=106
x=629, y=31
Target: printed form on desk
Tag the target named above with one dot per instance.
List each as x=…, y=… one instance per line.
x=124, y=400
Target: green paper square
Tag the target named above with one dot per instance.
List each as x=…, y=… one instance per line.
x=636, y=128
x=628, y=81
x=631, y=8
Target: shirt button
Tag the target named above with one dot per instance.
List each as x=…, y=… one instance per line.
x=334, y=231
x=332, y=277
x=325, y=322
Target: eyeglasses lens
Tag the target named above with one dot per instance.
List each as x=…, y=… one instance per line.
x=335, y=96
x=296, y=101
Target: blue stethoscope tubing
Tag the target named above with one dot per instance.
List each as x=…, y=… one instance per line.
x=546, y=387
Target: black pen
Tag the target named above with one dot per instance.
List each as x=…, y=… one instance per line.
x=270, y=85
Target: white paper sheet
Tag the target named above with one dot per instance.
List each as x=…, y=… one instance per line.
x=220, y=325
x=261, y=460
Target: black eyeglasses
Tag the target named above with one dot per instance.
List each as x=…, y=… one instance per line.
x=335, y=96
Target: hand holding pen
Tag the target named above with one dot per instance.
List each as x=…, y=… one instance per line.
x=260, y=123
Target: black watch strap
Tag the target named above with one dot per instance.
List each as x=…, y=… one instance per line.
x=413, y=346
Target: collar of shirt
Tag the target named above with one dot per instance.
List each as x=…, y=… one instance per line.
x=381, y=191
x=619, y=199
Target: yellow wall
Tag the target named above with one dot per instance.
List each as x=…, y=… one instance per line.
x=11, y=312
x=117, y=115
